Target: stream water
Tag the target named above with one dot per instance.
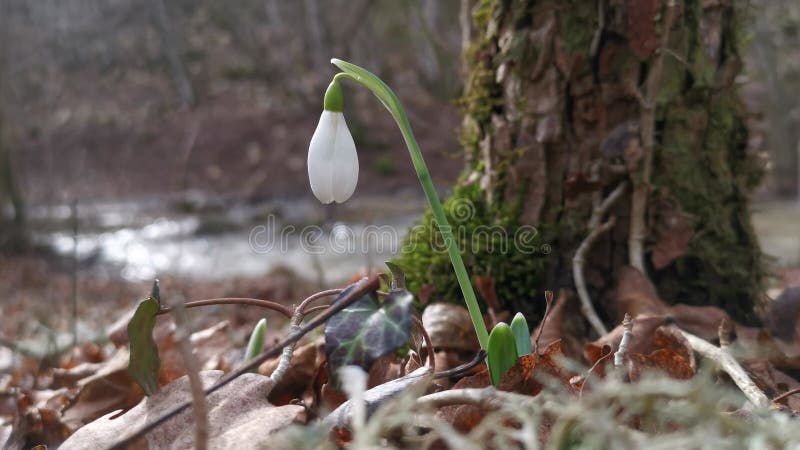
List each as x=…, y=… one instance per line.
x=142, y=241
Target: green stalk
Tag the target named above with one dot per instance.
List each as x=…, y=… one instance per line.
x=390, y=101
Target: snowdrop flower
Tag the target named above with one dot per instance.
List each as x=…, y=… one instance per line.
x=332, y=158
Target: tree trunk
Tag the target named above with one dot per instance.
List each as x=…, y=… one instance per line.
x=566, y=101
x=13, y=233
x=169, y=45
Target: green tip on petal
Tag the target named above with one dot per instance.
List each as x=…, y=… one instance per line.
x=334, y=100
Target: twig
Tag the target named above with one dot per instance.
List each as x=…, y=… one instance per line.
x=484, y=398
x=294, y=325
x=548, y=298
x=236, y=301
x=431, y=357
x=729, y=364
x=369, y=285
x=75, y=223
x=637, y=230
x=786, y=395
x=598, y=33
x=456, y=372
x=595, y=230
x=286, y=356
x=589, y=373
x=622, y=352
x=304, y=304
x=199, y=406
x=725, y=331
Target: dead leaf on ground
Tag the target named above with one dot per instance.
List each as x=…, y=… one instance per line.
x=774, y=382
x=110, y=388
x=553, y=326
x=212, y=348
x=642, y=340
x=239, y=416
x=527, y=375
x=664, y=360
x=465, y=417
x=636, y=295
x=673, y=232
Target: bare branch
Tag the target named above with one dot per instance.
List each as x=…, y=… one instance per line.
x=622, y=352
x=236, y=301
x=732, y=367
x=595, y=230
x=199, y=406
x=647, y=119
x=431, y=356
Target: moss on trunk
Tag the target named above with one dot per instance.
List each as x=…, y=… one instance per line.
x=552, y=108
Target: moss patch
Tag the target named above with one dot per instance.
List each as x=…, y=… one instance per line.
x=492, y=247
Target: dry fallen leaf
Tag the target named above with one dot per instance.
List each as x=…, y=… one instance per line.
x=239, y=417
x=211, y=348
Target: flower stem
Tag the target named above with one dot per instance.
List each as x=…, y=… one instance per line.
x=390, y=101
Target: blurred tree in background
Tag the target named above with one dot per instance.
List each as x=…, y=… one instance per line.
x=13, y=231
x=775, y=57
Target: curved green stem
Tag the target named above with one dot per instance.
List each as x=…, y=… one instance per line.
x=390, y=101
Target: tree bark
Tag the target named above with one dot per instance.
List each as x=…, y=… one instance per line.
x=564, y=101
x=14, y=234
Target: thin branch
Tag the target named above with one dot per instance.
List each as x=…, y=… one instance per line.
x=622, y=352
x=598, y=33
x=286, y=355
x=484, y=398
x=728, y=363
x=589, y=373
x=236, y=301
x=183, y=333
x=595, y=230
x=304, y=304
x=370, y=285
x=548, y=298
x=456, y=372
x=294, y=325
x=786, y=395
x=647, y=118
x=431, y=357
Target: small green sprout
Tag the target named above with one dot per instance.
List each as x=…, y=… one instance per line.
x=256, y=343
x=502, y=352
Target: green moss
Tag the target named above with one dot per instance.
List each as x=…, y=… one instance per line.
x=578, y=22
x=491, y=245
x=709, y=173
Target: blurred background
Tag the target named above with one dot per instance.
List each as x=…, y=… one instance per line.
x=147, y=138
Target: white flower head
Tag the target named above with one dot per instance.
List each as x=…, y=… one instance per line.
x=332, y=158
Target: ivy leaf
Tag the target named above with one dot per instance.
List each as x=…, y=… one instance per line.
x=367, y=329
x=144, y=361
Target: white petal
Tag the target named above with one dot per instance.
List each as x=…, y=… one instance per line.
x=320, y=155
x=345, y=163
